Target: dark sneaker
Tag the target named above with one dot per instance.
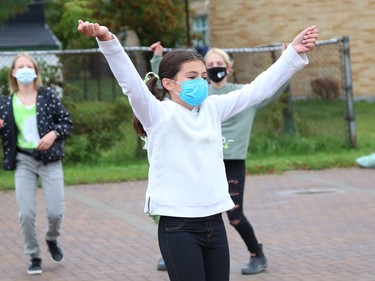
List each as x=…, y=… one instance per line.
x=55, y=251
x=161, y=264
x=256, y=265
x=35, y=266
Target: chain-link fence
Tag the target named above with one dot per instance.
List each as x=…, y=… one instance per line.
x=318, y=101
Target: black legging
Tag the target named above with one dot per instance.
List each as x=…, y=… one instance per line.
x=236, y=172
x=194, y=249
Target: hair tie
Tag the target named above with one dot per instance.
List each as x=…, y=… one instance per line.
x=149, y=75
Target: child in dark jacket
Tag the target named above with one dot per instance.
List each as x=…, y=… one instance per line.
x=33, y=125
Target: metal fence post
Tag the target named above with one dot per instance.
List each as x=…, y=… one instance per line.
x=349, y=93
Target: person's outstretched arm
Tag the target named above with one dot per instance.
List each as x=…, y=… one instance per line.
x=145, y=106
x=157, y=48
x=266, y=84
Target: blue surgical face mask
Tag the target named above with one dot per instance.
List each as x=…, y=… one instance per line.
x=194, y=91
x=25, y=75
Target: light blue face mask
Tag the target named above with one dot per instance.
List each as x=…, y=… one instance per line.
x=25, y=75
x=194, y=91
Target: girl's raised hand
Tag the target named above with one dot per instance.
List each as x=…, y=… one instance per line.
x=157, y=48
x=94, y=30
x=305, y=41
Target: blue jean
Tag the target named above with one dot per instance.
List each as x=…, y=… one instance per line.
x=28, y=170
x=194, y=248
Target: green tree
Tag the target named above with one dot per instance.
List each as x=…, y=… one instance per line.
x=152, y=20
x=62, y=17
x=12, y=8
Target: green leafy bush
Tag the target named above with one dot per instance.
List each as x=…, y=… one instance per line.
x=100, y=130
x=96, y=128
x=4, y=81
x=78, y=149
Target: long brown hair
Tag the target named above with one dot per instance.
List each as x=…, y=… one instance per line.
x=170, y=65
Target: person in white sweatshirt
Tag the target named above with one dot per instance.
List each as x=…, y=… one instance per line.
x=187, y=186
x=236, y=133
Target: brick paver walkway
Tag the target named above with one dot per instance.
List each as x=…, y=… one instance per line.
x=314, y=225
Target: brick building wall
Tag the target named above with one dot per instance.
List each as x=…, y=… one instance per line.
x=249, y=23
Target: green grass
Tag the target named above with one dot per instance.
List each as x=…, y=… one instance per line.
x=316, y=161
x=321, y=148
x=101, y=173
x=89, y=174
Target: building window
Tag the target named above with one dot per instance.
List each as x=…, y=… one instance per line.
x=200, y=30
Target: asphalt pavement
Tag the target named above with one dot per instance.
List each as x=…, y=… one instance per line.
x=314, y=225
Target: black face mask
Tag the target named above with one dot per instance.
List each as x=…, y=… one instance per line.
x=217, y=74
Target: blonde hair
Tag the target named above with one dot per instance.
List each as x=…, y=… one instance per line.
x=13, y=85
x=228, y=61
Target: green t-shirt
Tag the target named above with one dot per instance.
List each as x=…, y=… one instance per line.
x=27, y=129
x=236, y=130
